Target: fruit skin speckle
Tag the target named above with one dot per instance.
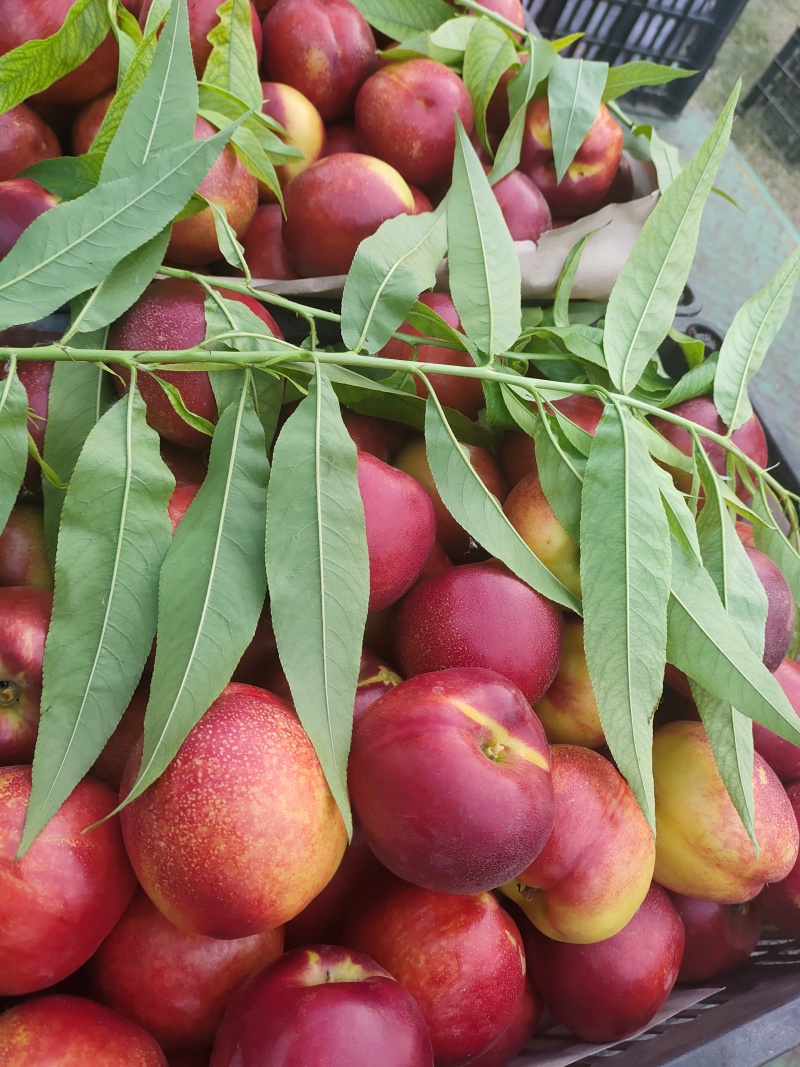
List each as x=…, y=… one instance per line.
x=241, y=831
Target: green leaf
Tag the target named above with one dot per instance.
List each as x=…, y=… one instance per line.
x=162, y=113
x=114, y=534
x=543, y=57
x=74, y=246
x=578, y=340
x=664, y=451
x=268, y=398
x=774, y=543
x=730, y=735
x=233, y=64
x=726, y=560
x=666, y=159
x=126, y=29
x=212, y=588
x=489, y=54
x=564, y=42
x=561, y=469
x=249, y=332
x=479, y=511
x=386, y=400
x=175, y=397
x=664, y=156
x=754, y=328
x=401, y=19
x=567, y=280
x=35, y=65
x=520, y=92
x=79, y=395
x=391, y=268
x=224, y=315
x=232, y=251
x=156, y=15
x=641, y=72
x=708, y=646
x=131, y=83
x=507, y=156
x=446, y=45
x=430, y=324
x=574, y=91
x=67, y=177
x=696, y=382
x=318, y=570
x=693, y=348
x=13, y=439
x=641, y=307
x=744, y=598
x=121, y=288
x=47, y=471
x=681, y=520
x=257, y=144
x=484, y=269
x=269, y=134
x=625, y=571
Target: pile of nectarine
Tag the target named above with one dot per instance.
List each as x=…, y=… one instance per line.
x=374, y=138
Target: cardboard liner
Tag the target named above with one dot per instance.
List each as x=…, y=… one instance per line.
x=557, y=1048
x=617, y=226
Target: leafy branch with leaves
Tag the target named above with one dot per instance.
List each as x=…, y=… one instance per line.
x=663, y=579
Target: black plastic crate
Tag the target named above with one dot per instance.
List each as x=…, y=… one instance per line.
x=773, y=104
x=754, y=1018
x=679, y=33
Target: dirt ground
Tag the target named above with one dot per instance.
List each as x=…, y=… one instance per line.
x=760, y=32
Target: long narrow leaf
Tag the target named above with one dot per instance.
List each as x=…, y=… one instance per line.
x=641, y=72
x=625, y=571
x=113, y=537
x=401, y=19
x=724, y=557
x=79, y=395
x=744, y=598
x=386, y=400
x=574, y=91
x=730, y=735
x=130, y=85
x=391, y=268
x=489, y=54
x=233, y=64
x=561, y=470
x=13, y=439
x=754, y=328
x=318, y=570
x=479, y=511
x=484, y=270
x=696, y=382
x=212, y=588
x=161, y=114
x=520, y=91
x=641, y=307
x=707, y=645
